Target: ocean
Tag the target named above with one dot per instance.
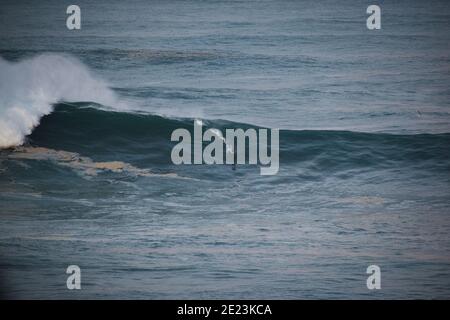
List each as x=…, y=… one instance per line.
x=86, y=176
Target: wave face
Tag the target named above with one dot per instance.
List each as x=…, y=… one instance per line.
x=144, y=140
x=30, y=87
x=37, y=87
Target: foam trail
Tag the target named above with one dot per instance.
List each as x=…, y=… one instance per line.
x=229, y=149
x=84, y=164
x=29, y=88
x=218, y=134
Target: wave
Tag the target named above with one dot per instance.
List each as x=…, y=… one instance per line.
x=29, y=88
x=143, y=139
x=33, y=91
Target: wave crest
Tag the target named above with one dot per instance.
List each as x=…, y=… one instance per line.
x=29, y=88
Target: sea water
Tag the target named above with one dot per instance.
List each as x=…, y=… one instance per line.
x=86, y=176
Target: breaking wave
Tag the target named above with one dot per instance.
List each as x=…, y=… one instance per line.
x=29, y=88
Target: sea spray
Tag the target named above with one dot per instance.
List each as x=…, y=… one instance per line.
x=29, y=88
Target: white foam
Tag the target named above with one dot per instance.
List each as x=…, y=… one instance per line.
x=83, y=164
x=29, y=88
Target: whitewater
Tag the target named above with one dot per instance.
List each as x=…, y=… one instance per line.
x=29, y=88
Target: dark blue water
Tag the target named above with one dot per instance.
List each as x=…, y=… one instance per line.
x=364, y=149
